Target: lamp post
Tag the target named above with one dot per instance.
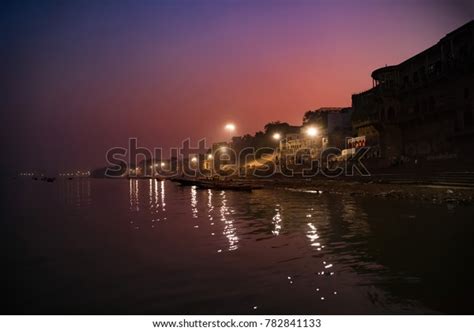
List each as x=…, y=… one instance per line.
x=230, y=127
x=210, y=163
x=277, y=136
x=312, y=131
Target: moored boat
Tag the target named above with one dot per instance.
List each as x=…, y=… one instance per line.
x=216, y=184
x=184, y=181
x=221, y=185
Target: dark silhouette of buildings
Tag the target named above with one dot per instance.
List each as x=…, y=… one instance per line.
x=422, y=108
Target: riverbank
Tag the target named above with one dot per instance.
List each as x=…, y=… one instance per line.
x=401, y=188
x=431, y=193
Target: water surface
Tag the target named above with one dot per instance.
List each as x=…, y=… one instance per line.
x=141, y=246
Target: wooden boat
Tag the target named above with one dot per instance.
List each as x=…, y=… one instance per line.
x=216, y=184
x=222, y=185
x=184, y=181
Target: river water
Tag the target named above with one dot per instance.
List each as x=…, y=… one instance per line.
x=92, y=246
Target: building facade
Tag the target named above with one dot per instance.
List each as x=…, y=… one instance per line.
x=331, y=127
x=422, y=108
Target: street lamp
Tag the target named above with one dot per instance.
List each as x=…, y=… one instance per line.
x=194, y=159
x=230, y=127
x=312, y=131
x=162, y=164
x=276, y=136
x=209, y=157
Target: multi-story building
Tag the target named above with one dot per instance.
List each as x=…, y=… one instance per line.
x=300, y=146
x=422, y=108
x=322, y=128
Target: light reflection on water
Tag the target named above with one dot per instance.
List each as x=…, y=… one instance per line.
x=194, y=201
x=76, y=192
x=222, y=251
x=277, y=220
x=163, y=203
x=229, y=229
x=133, y=194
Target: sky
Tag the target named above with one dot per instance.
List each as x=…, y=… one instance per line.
x=81, y=77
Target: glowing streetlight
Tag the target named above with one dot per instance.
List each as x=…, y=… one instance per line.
x=162, y=164
x=276, y=136
x=194, y=159
x=312, y=131
x=230, y=127
x=209, y=157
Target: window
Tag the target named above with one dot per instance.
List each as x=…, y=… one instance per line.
x=431, y=69
x=434, y=68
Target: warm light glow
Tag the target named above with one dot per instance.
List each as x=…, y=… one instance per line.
x=162, y=164
x=312, y=131
x=209, y=157
x=194, y=159
x=276, y=136
x=230, y=127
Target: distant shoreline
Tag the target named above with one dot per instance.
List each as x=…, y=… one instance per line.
x=431, y=192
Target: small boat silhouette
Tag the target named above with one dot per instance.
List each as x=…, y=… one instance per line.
x=217, y=184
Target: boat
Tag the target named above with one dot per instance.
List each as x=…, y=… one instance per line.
x=184, y=181
x=216, y=184
x=221, y=185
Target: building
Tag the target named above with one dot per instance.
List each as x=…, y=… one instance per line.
x=220, y=155
x=422, y=108
x=298, y=147
x=322, y=128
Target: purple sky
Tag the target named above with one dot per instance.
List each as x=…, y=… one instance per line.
x=82, y=77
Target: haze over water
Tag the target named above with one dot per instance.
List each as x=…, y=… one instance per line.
x=143, y=246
